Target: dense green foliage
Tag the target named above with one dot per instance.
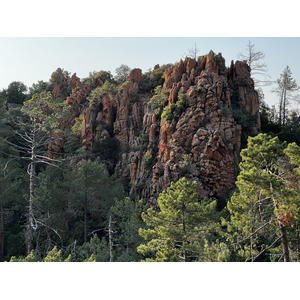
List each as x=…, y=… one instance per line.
x=270, y=123
x=172, y=112
x=265, y=208
x=15, y=93
x=153, y=79
x=160, y=99
x=179, y=231
x=107, y=87
x=100, y=75
x=282, y=121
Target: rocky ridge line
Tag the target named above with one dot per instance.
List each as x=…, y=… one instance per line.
x=203, y=140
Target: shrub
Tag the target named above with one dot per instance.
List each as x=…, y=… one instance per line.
x=102, y=75
x=153, y=79
x=107, y=87
x=77, y=127
x=226, y=111
x=182, y=101
x=148, y=160
x=138, y=148
x=144, y=138
x=243, y=82
x=167, y=115
x=243, y=117
x=160, y=99
x=174, y=110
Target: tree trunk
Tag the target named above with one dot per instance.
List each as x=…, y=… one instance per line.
x=85, y=217
x=74, y=250
x=284, y=108
x=285, y=247
x=297, y=237
x=30, y=226
x=110, y=236
x=284, y=240
x=184, y=238
x=2, y=233
x=280, y=109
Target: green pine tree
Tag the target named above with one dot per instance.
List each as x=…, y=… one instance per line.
x=52, y=210
x=264, y=207
x=93, y=192
x=126, y=224
x=179, y=231
x=95, y=250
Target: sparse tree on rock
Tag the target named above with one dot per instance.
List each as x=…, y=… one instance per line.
x=122, y=74
x=193, y=52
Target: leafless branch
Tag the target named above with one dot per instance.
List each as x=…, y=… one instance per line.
x=261, y=252
x=193, y=52
x=100, y=229
x=250, y=235
x=5, y=166
x=13, y=144
x=280, y=256
x=47, y=226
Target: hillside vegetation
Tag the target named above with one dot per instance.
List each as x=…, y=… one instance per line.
x=182, y=163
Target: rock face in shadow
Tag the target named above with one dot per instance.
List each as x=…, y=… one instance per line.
x=212, y=110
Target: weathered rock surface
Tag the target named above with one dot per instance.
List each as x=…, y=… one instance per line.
x=202, y=143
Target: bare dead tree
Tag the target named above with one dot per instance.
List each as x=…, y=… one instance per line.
x=34, y=135
x=193, y=52
x=34, y=140
x=259, y=70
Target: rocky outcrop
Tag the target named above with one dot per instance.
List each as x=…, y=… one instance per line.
x=135, y=75
x=204, y=143
x=124, y=103
x=247, y=96
x=80, y=92
x=212, y=109
x=98, y=114
x=60, y=80
x=56, y=145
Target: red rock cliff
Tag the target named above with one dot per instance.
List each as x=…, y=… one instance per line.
x=203, y=140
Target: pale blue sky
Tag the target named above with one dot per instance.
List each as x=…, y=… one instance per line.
x=32, y=59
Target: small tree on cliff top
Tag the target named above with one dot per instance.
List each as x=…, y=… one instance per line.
x=122, y=74
x=193, y=52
